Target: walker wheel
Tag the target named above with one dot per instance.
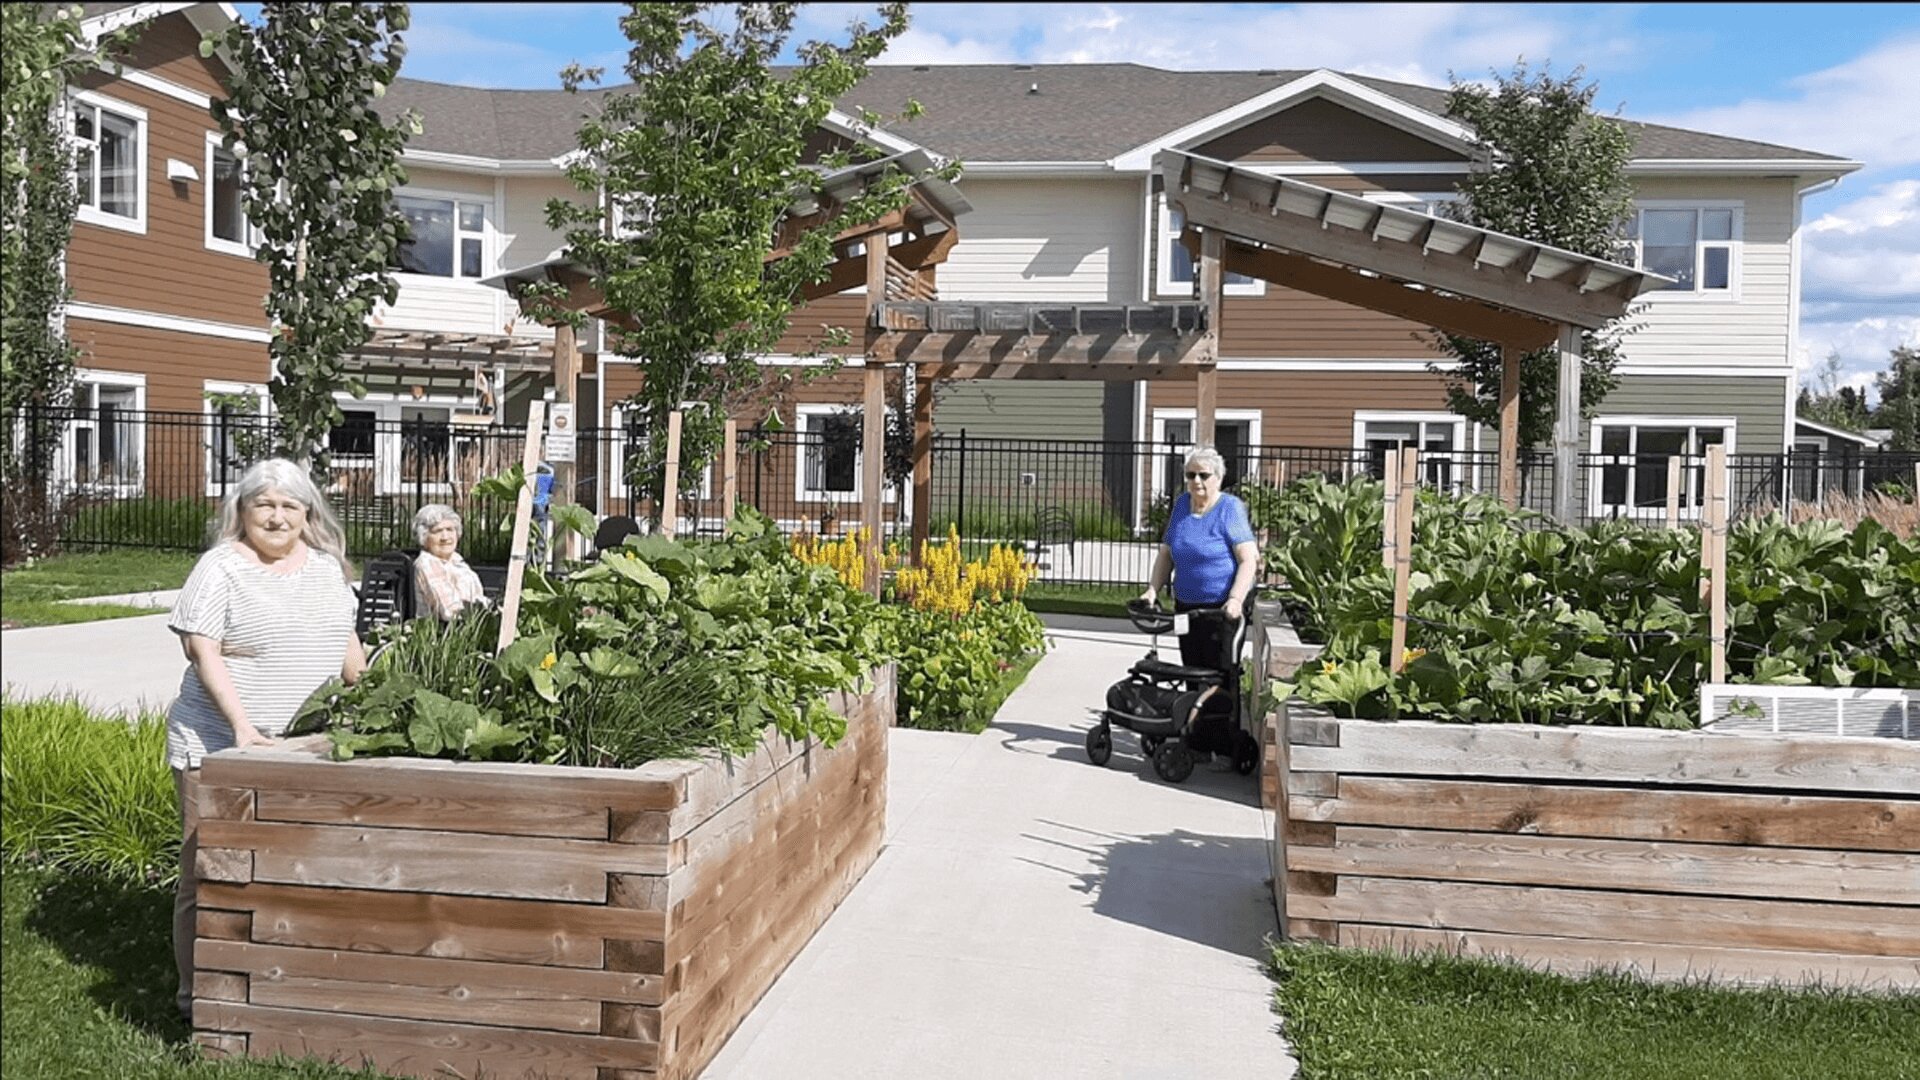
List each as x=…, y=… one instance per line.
x=1150, y=744
x=1100, y=744
x=1173, y=762
x=1246, y=754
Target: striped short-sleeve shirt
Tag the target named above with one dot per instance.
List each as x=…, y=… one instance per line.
x=282, y=636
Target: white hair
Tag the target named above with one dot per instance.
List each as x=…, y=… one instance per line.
x=432, y=515
x=1208, y=456
x=322, y=530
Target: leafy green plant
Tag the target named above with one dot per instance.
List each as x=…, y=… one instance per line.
x=952, y=667
x=85, y=792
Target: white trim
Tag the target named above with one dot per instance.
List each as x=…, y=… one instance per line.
x=1319, y=83
x=1043, y=169
x=1596, y=483
x=388, y=452
x=490, y=246
x=1832, y=432
x=1158, y=443
x=1773, y=371
x=1465, y=438
x=440, y=159
x=851, y=127
x=802, y=494
x=1359, y=168
x=242, y=248
x=1739, y=166
x=79, y=420
x=1324, y=363
x=79, y=309
x=216, y=386
x=93, y=215
x=107, y=22
x=149, y=81
x=1735, y=247
x=1163, y=241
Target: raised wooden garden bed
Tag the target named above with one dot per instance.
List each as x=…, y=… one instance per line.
x=1679, y=854
x=438, y=918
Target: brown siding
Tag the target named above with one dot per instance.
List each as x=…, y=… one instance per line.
x=167, y=270
x=1319, y=130
x=169, y=48
x=1288, y=323
x=807, y=329
x=1311, y=408
x=176, y=365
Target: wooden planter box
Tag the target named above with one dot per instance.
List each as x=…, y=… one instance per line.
x=1748, y=858
x=438, y=918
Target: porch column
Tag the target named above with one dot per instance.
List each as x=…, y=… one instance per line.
x=1208, y=279
x=1510, y=425
x=1566, y=427
x=922, y=463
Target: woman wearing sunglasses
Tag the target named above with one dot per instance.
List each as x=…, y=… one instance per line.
x=1210, y=551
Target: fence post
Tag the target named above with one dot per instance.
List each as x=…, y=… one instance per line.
x=1673, y=491
x=670, y=488
x=960, y=510
x=1409, y=484
x=1390, y=502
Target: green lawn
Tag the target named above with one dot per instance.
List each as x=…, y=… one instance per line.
x=1354, y=1015
x=1062, y=599
x=31, y=595
x=88, y=984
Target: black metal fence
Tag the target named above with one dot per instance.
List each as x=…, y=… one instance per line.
x=1091, y=510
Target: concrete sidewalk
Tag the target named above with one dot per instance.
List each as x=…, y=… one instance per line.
x=116, y=665
x=1033, y=916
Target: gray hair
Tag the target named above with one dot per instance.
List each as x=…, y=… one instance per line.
x=1208, y=456
x=322, y=530
x=431, y=515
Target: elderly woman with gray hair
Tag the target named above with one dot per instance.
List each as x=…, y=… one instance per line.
x=265, y=619
x=1210, y=551
x=443, y=583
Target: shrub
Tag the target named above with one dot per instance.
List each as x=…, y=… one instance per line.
x=87, y=793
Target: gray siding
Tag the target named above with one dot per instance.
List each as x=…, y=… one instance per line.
x=1757, y=404
x=1020, y=410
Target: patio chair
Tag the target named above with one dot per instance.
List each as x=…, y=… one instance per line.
x=1052, y=527
x=386, y=592
x=613, y=531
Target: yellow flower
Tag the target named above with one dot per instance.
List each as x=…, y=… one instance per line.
x=1328, y=667
x=547, y=662
x=1410, y=655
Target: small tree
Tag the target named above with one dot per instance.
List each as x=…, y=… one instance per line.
x=700, y=161
x=1899, y=390
x=1828, y=402
x=319, y=166
x=1551, y=171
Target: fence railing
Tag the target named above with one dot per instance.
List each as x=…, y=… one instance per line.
x=1091, y=510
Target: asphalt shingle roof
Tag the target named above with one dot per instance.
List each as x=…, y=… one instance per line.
x=983, y=112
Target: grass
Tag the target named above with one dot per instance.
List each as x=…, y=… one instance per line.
x=86, y=794
x=1010, y=681
x=1353, y=1015
x=1109, y=601
x=31, y=595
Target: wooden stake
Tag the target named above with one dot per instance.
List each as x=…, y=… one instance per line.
x=566, y=381
x=1409, y=482
x=1674, y=476
x=1391, y=497
x=522, y=519
x=730, y=470
x=1714, y=569
x=1510, y=425
x=670, y=491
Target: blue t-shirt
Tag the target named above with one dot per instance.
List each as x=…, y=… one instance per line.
x=1202, y=546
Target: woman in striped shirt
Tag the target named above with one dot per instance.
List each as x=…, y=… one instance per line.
x=265, y=618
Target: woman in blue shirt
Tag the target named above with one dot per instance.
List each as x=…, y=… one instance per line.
x=1211, y=553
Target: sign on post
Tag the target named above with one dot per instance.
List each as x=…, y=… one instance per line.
x=560, y=433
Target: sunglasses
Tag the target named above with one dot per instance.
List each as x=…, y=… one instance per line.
x=1199, y=475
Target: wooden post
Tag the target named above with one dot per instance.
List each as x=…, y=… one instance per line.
x=873, y=461
x=1566, y=427
x=922, y=465
x=730, y=468
x=1674, y=476
x=1510, y=425
x=876, y=272
x=566, y=380
x=1208, y=280
x=1409, y=484
x=670, y=490
x=1389, y=535
x=522, y=519
x=1206, y=402
x=1715, y=541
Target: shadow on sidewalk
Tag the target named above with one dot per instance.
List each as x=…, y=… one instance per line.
x=1070, y=744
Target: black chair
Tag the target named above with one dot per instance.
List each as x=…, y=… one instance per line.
x=613, y=530
x=386, y=592
x=1052, y=527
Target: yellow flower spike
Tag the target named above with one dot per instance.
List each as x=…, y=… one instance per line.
x=547, y=662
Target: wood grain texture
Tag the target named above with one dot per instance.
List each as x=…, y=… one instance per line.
x=274, y=961
x=495, y=816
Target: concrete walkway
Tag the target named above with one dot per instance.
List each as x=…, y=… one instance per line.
x=1033, y=917
x=116, y=665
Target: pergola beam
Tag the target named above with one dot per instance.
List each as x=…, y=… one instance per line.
x=1084, y=352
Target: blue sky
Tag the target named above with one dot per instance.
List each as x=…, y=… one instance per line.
x=1836, y=78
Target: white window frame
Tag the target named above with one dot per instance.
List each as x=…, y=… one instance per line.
x=617, y=487
x=488, y=236
x=804, y=494
x=1251, y=417
x=1461, y=476
x=1164, y=285
x=1734, y=247
x=210, y=386
x=90, y=213
x=388, y=448
x=1597, y=506
x=244, y=248
x=83, y=380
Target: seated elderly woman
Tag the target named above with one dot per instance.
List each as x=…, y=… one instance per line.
x=443, y=583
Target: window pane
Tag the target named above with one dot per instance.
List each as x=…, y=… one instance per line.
x=832, y=451
x=119, y=165
x=354, y=436
x=470, y=258
x=83, y=122
x=1179, y=260
x=473, y=217
x=1669, y=228
x=1717, y=274
x=229, y=220
x=1657, y=445
x=83, y=175
x=431, y=249
x=1716, y=224
x=1616, y=440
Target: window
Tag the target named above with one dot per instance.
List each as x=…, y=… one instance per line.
x=1174, y=273
x=1697, y=246
x=237, y=433
x=449, y=237
x=830, y=441
x=1632, y=463
x=1820, y=466
x=109, y=162
x=105, y=444
x=1236, y=434
x=226, y=214
x=1440, y=437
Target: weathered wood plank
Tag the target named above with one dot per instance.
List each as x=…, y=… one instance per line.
x=1534, y=753
x=1578, y=956
x=217, y=1047
x=220, y=925
x=219, y=986
x=424, y=1048
x=222, y=864
x=1315, y=784
x=225, y=803
x=476, y=1002
x=1612, y=812
x=408, y=860
x=532, y=980
x=1872, y=930
x=1654, y=866
x=1313, y=731
x=497, y=816
x=426, y=924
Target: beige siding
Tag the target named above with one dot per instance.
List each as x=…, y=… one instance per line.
x=1047, y=239
x=450, y=304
